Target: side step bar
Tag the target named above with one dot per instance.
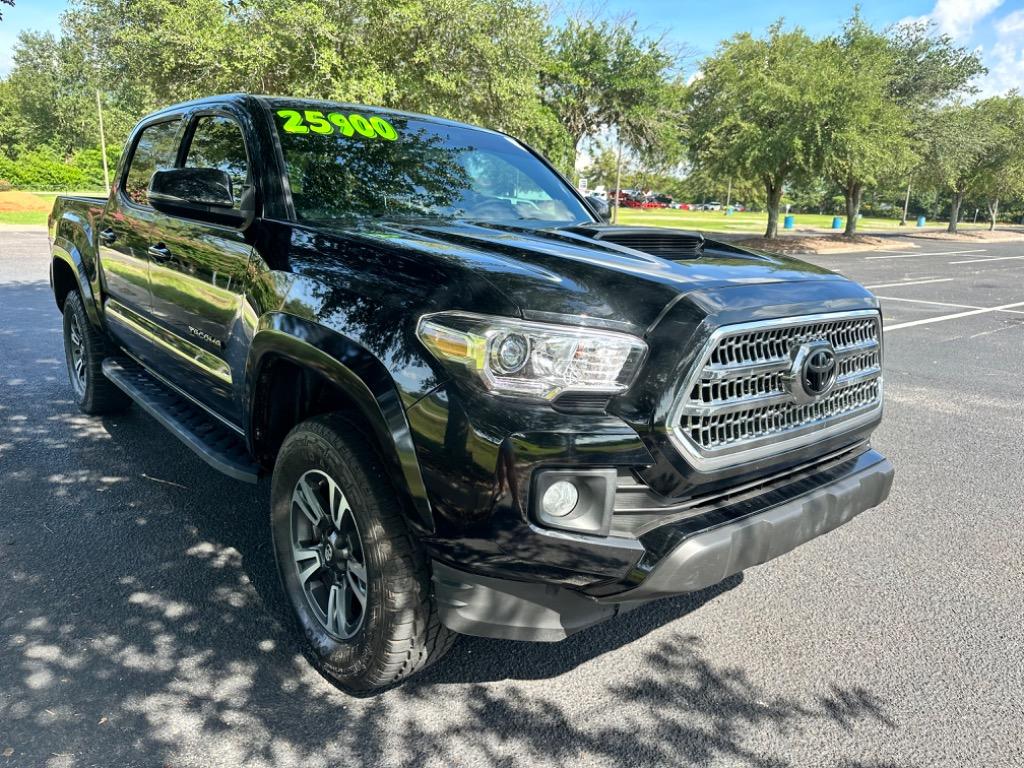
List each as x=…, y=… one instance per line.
x=215, y=443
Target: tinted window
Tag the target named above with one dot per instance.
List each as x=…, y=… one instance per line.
x=217, y=143
x=345, y=163
x=155, y=151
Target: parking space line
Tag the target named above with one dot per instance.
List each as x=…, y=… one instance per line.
x=943, y=318
x=935, y=303
x=988, y=258
x=947, y=304
x=911, y=282
x=926, y=253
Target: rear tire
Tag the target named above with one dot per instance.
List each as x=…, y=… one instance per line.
x=357, y=579
x=85, y=348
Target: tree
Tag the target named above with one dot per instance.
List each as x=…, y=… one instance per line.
x=964, y=143
x=8, y=3
x=473, y=60
x=928, y=70
x=867, y=131
x=601, y=73
x=1000, y=175
x=757, y=110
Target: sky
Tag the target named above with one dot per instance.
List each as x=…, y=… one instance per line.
x=994, y=27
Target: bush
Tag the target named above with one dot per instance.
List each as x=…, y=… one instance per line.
x=44, y=168
x=5, y=185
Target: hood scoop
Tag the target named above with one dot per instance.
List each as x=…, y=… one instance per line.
x=674, y=245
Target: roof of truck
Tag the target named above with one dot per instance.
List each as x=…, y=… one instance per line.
x=270, y=101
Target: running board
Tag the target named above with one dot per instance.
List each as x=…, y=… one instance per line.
x=215, y=443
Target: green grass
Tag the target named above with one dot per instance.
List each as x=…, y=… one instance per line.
x=707, y=221
x=751, y=223
x=23, y=217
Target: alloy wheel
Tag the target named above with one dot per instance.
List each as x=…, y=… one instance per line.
x=76, y=348
x=328, y=554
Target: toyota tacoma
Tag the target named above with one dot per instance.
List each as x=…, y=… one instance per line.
x=483, y=408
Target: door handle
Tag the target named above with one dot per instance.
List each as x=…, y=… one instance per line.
x=160, y=252
x=108, y=235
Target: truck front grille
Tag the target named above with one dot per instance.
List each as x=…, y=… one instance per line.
x=737, y=405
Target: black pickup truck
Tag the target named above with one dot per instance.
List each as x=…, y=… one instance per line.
x=485, y=410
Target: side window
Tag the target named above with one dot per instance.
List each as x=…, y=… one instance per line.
x=155, y=150
x=217, y=143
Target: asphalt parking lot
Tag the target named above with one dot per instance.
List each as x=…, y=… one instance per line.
x=138, y=596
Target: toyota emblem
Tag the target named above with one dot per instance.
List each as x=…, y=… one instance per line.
x=813, y=372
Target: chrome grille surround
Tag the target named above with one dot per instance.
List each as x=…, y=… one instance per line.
x=734, y=408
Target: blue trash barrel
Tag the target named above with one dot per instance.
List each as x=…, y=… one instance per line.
x=789, y=222
x=837, y=222
x=920, y=221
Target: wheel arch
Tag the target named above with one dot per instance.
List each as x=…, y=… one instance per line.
x=295, y=371
x=72, y=239
x=67, y=272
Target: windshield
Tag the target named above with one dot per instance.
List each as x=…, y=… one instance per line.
x=347, y=163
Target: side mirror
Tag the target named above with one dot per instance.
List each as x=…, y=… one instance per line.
x=196, y=193
x=192, y=186
x=600, y=207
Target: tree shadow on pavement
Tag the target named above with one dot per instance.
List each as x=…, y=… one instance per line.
x=139, y=626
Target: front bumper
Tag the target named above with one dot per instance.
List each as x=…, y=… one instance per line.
x=702, y=559
x=735, y=539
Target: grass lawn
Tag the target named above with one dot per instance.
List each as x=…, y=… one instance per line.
x=29, y=207
x=33, y=208
x=751, y=223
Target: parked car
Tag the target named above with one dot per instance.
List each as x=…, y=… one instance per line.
x=482, y=409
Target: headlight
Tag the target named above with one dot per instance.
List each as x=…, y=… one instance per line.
x=533, y=360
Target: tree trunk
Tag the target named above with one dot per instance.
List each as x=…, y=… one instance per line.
x=954, y=212
x=993, y=213
x=853, y=193
x=773, y=192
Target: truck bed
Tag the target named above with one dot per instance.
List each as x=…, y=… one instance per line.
x=85, y=208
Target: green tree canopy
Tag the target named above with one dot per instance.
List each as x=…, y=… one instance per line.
x=967, y=147
x=1000, y=172
x=603, y=74
x=866, y=131
x=757, y=111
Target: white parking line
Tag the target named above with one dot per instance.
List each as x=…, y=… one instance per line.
x=934, y=303
x=988, y=258
x=946, y=304
x=911, y=282
x=943, y=318
x=927, y=253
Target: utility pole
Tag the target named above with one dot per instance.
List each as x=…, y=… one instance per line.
x=906, y=204
x=103, y=143
x=728, y=195
x=618, y=184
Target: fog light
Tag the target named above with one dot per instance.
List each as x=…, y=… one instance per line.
x=560, y=499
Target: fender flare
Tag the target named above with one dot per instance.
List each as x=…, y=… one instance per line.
x=69, y=253
x=362, y=377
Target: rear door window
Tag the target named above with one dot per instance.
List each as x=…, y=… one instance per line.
x=217, y=143
x=155, y=150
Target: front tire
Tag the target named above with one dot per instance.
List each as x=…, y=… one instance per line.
x=85, y=349
x=355, y=576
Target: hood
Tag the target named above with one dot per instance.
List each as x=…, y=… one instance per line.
x=573, y=272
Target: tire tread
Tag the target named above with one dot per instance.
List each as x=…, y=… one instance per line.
x=102, y=396
x=416, y=638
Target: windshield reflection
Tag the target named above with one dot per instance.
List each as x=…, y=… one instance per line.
x=428, y=172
